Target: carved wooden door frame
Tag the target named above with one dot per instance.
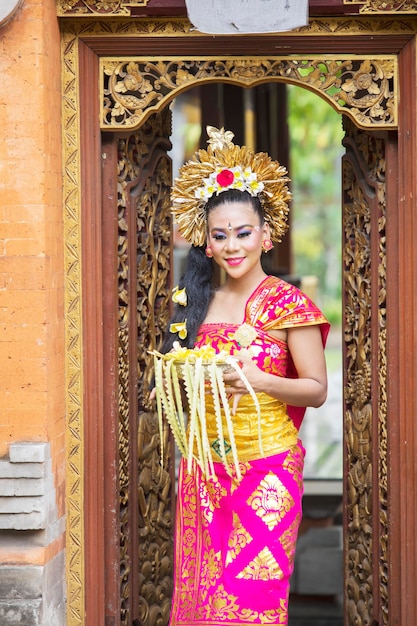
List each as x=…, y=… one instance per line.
x=139, y=493
x=84, y=44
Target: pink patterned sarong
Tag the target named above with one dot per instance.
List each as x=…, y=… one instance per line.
x=235, y=540
x=235, y=543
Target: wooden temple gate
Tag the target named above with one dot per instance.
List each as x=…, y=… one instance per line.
x=119, y=76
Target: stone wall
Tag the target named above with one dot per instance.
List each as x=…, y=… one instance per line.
x=32, y=341
x=32, y=585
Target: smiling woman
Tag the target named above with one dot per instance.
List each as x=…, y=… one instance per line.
x=239, y=512
x=235, y=236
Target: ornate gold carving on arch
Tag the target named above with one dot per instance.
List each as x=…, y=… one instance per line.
x=363, y=88
x=382, y=6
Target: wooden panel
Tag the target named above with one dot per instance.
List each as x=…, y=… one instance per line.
x=256, y=45
x=92, y=293
x=110, y=382
x=365, y=377
x=402, y=352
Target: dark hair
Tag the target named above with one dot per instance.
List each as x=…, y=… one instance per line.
x=197, y=277
x=235, y=195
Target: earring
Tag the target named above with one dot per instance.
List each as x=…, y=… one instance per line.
x=209, y=252
x=267, y=245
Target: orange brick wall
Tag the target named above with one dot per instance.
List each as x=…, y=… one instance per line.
x=31, y=234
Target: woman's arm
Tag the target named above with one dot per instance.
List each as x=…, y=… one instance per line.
x=309, y=389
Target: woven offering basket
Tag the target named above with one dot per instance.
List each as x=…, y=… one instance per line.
x=206, y=367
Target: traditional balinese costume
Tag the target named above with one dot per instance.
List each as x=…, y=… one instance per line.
x=235, y=539
x=238, y=516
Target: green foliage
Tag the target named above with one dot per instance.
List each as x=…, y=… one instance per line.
x=315, y=169
x=332, y=309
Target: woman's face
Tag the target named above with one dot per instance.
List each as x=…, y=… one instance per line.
x=235, y=235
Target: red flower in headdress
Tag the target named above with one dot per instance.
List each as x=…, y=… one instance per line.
x=225, y=178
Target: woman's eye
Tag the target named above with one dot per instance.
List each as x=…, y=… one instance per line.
x=219, y=237
x=245, y=233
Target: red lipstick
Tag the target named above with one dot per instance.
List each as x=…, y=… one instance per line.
x=235, y=261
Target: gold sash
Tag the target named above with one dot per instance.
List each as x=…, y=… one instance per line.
x=278, y=432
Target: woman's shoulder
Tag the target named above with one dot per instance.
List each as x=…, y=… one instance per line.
x=286, y=306
x=281, y=288
x=271, y=300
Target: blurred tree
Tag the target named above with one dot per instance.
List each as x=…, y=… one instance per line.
x=315, y=168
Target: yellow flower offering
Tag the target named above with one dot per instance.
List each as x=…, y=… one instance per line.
x=180, y=328
x=198, y=372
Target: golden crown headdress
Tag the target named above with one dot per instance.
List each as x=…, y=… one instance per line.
x=226, y=166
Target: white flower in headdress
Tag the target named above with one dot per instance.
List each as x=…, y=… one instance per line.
x=224, y=178
x=219, y=138
x=254, y=186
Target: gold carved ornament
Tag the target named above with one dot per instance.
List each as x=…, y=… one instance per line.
x=83, y=8
x=362, y=88
x=384, y=6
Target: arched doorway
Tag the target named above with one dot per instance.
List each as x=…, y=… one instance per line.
x=368, y=592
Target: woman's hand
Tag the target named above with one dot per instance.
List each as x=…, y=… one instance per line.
x=235, y=386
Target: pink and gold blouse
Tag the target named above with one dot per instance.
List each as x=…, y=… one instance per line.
x=275, y=304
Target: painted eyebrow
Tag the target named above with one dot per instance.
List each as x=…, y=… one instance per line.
x=226, y=230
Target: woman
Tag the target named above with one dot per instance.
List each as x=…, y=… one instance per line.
x=236, y=534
